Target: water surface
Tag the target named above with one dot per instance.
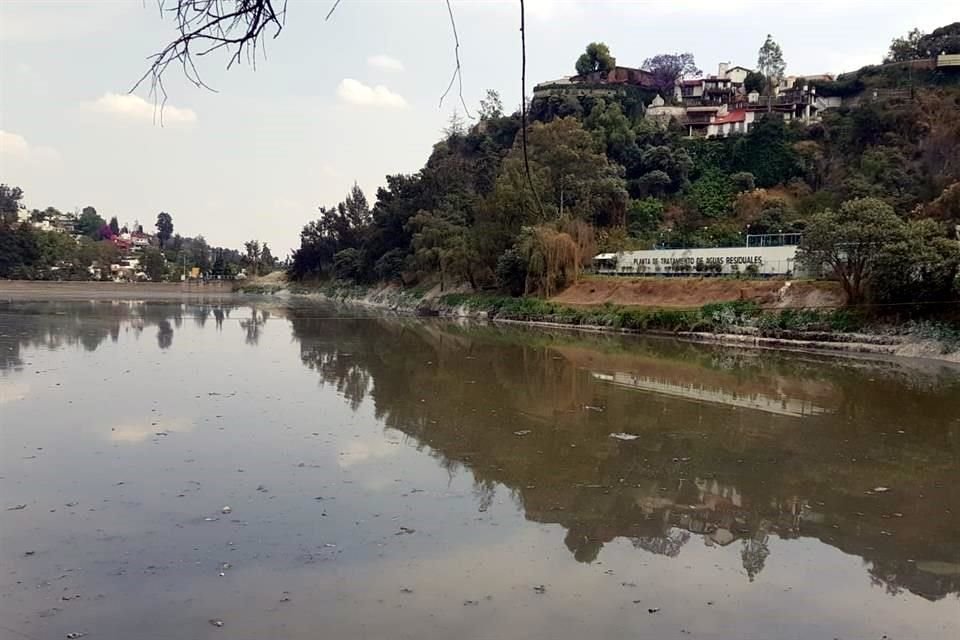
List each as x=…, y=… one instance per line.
x=394, y=478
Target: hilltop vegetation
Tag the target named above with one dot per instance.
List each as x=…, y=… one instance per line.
x=605, y=179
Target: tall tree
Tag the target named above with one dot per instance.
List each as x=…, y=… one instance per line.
x=905, y=47
x=770, y=62
x=596, y=58
x=667, y=68
x=164, y=228
x=154, y=264
x=10, y=203
x=850, y=242
x=90, y=223
x=114, y=226
x=253, y=255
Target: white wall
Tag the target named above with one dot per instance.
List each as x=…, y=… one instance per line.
x=768, y=260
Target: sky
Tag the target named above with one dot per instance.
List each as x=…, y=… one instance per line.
x=335, y=102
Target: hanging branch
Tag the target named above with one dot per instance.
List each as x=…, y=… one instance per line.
x=205, y=26
x=457, y=75
x=523, y=108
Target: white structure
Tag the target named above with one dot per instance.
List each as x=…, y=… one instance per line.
x=759, y=260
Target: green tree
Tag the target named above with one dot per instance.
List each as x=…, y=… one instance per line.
x=849, y=243
x=491, y=107
x=942, y=40
x=154, y=264
x=770, y=62
x=755, y=81
x=89, y=223
x=114, y=226
x=164, y=228
x=920, y=265
x=644, y=216
x=905, y=48
x=596, y=58
x=253, y=255
x=267, y=261
x=10, y=206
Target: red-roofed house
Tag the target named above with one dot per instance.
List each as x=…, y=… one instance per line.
x=726, y=123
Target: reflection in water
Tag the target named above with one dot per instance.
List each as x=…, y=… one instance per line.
x=731, y=447
x=784, y=445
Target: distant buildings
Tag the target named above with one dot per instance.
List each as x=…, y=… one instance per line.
x=712, y=106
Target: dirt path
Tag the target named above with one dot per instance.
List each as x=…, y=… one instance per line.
x=681, y=293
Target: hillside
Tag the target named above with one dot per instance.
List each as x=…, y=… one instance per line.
x=603, y=170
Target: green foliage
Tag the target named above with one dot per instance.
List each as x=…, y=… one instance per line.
x=154, y=264
x=644, y=215
x=711, y=195
x=767, y=153
x=743, y=181
x=906, y=47
x=755, y=81
x=89, y=223
x=850, y=242
x=596, y=58
x=164, y=228
x=770, y=62
x=10, y=203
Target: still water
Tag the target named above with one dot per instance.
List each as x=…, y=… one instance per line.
x=288, y=472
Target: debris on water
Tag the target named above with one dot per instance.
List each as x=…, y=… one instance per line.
x=29, y=553
x=628, y=584
x=226, y=510
x=405, y=531
x=285, y=597
x=540, y=589
x=624, y=436
x=217, y=622
x=653, y=610
x=17, y=507
x=71, y=504
x=470, y=603
x=522, y=432
x=589, y=407
x=262, y=489
x=406, y=590
x=73, y=635
x=881, y=489
x=210, y=519
x=226, y=566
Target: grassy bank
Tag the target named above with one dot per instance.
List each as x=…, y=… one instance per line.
x=721, y=316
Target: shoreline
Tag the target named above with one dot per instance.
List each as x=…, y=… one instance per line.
x=431, y=303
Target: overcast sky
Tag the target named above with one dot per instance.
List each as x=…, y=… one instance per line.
x=352, y=99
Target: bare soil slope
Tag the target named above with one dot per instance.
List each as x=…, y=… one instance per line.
x=682, y=293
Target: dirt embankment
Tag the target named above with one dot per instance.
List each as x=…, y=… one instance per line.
x=690, y=293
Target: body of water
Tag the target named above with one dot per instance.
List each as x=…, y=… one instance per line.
x=188, y=470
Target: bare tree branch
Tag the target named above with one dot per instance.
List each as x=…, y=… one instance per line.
x=457, y=74
x=204, y=26
x=332, y=9
x=523, y=108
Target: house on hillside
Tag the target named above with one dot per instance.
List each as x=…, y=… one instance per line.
x=723, y=88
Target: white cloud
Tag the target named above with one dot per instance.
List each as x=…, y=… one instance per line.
x=385, y=63
x=131, y=107
x=355, y=92
x=15, y=149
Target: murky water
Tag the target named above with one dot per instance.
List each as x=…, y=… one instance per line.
x=390, y=478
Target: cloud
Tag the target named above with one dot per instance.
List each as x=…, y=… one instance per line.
x=355, y=92
x=385, y=62
x=15, y=149
x=131, y=107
